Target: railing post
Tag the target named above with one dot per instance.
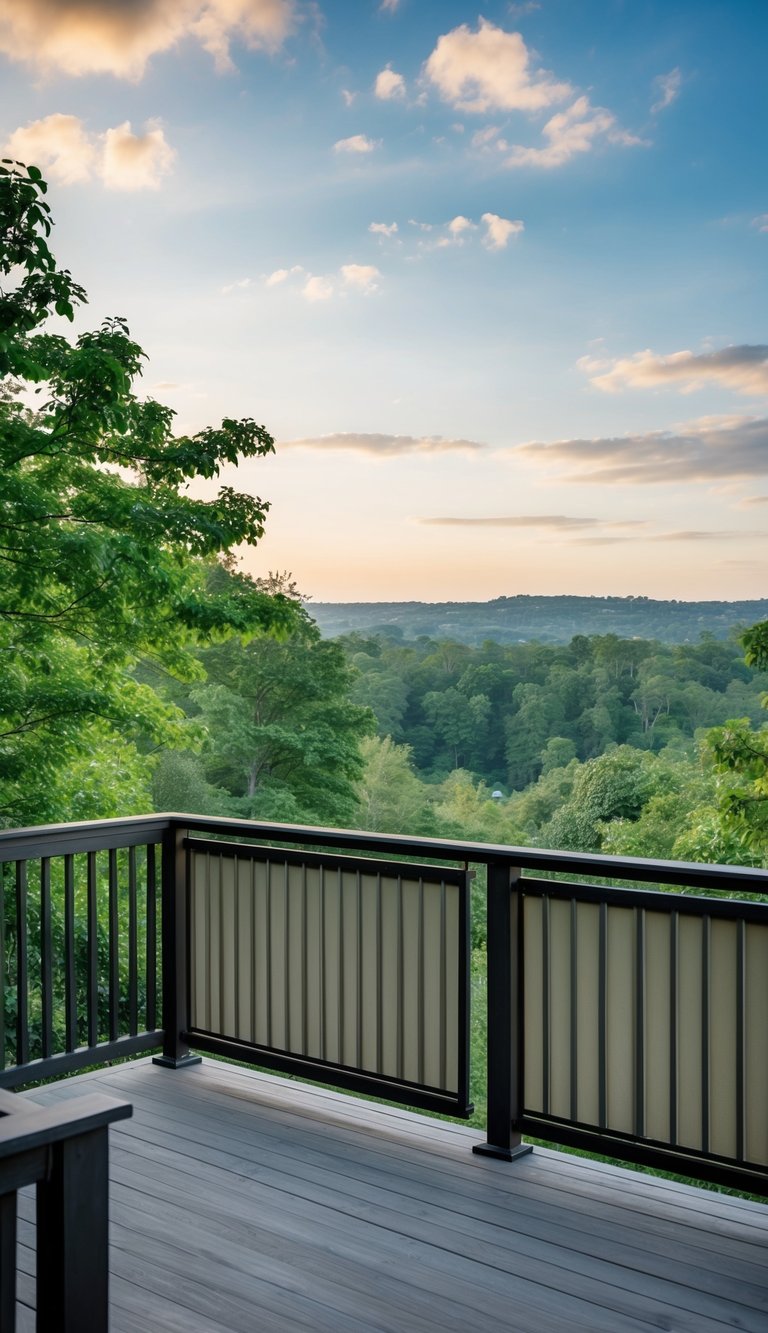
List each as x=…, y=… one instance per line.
x=72, y=1237
x=504, y=1016
x=174, y=951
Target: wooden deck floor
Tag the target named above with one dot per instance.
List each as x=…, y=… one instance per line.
x=242, y=1202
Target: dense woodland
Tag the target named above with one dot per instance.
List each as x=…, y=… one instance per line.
x=522, y=618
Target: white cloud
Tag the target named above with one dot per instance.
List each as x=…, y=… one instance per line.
x=383, y=228
x=241, y=285
x=666, y=89
x=135, y=161
x=761, y=222
x=523, y=8
x=384, y=445
x=389, y=6
x=70, y=153
x=281, y=274
x=317, y=289
x=489, y=69
x=389, y=85
x=487, y=136
x=356, y=143
x=86, y=37
x=499, y=230
x=743, y=368
x=349, y=97
x=58, y=144
x=362, y=276
x=458, y=225
x=557, y=521
x=709, y=449
x=570, y=132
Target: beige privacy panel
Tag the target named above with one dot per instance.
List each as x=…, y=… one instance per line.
x=649, y=1020
x=354, y=963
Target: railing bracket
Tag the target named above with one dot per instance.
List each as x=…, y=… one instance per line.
x=505, y=1154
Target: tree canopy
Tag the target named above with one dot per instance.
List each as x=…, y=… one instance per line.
x=105, y=553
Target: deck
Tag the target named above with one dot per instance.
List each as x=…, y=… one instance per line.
x=243, y=1202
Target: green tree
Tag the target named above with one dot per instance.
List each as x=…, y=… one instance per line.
x=391, y=797
x=282, y=735
x=105, y=553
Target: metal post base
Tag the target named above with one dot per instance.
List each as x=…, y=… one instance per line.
x=170, y=1062
x=506, y=1154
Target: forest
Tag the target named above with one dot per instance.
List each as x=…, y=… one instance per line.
x=522, y=618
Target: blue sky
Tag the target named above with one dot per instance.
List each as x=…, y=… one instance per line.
x=496, y=282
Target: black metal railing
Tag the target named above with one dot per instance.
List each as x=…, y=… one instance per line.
x=625, y=1020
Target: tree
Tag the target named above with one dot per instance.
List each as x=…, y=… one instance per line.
x=392, y=798
x=105, y=554
x=740, y=751
x=282, y=736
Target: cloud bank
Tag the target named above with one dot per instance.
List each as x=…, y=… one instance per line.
x=743, y=368
x=710, y=449
x=384, y=446
x=79, y=37
x=70, y=154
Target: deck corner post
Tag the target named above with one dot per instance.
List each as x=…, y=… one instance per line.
x=505, y=1092
x=176, y=1053
x=72, y=1236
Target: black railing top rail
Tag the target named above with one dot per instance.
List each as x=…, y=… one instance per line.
x=56, y=839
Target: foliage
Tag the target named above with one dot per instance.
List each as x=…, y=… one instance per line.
x=105, y=554
x=281, y=735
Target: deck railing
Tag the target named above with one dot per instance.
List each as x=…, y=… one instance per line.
x=626, y=1020
x=63, y=1151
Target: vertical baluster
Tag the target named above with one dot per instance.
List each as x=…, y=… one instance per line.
x=70, y=979
x=379, y=981
x=545, y=1021
x=741, y=943
x=151, y=940
x=304, y=988
x=3, y=967
x=706, y=953
x=443, y=990
x=114, y=947
x=268, y=956
x=359, y=975
x=574, y=1053
x=400, y=979
x=673, y=1025
x=602, y=1019
x=286, y=960
x=321, y=947
x=236, y=943
x=22, y=966
x=46, y=960
x=133, y=946
x=93, y=954
x=639, y=1022
x=420, y=984
x=341, y=970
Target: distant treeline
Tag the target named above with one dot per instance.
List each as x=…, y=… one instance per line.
x=508, y=713
x=521, y=619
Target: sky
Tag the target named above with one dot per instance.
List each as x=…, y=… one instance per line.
x=495, y=281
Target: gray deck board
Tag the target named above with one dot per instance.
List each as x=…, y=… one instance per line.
x=242, y=1201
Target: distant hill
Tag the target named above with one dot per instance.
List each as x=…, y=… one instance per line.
x=545, y=619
